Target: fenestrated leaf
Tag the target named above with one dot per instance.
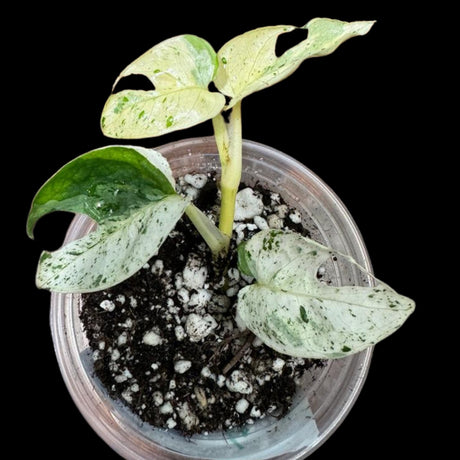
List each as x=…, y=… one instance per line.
x=290, y=310
x=104, y=183
x=180, y=69
x=129, y=192
x=248, y=62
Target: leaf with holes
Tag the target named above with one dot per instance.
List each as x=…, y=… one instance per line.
x=129, y=192
x=291, y=311
x=248, y=62
x=180, y=68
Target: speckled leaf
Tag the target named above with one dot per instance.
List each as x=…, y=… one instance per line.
x=290, y=310
x=129, y=191
x=180, y=69
x=115, y=251
x=248, y=62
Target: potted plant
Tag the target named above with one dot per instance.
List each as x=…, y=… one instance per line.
x=270, y=285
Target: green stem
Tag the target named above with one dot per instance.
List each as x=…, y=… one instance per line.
x=230, y=144
x=214, y=238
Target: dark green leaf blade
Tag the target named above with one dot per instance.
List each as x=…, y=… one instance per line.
x=105, y=183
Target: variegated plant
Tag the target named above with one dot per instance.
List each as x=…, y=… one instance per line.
x=129, y=191
x=181, y=70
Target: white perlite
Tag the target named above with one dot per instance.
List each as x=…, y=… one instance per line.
x=187, y=416
x=115, y=354
x=182, y=366
x=295, y=217
x=196, y=180
x=248, y=204
x=274, y=221
x=238, y=382
x=166, y=408
x=183, y=295
x=206, y=372
x=171, y=423
x=278, y=364
x=157, y=398
x=133, y=302
x=200, y=298
x=157, y=267
x=121, y=298
x=107, y=305
x=152, y=338
x=194, y=274
x=282, y=210
x=199, y=327
x=233, y=275
x=122, y=338
x=179, y=332
x=260, y=222
x=241, y=405
x=275, y=197
x=120, y=378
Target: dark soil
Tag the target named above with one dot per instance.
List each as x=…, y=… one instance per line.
x=165, y=342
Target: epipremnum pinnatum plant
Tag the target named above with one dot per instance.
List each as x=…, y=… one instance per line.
x=130, y=192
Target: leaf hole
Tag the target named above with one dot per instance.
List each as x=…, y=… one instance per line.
x=226, y=115
x=212, y=87
x=290, y=39
x=137, y=82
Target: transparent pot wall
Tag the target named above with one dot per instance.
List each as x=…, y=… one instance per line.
x=326, y=394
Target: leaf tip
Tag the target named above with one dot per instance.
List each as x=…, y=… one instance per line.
x=365, y=26
x=30, y=224
x=30, y=231
x=40, y=282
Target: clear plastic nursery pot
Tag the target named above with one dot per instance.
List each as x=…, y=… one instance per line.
x=325, y=395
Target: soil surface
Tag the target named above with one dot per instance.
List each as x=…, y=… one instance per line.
x=165, y=342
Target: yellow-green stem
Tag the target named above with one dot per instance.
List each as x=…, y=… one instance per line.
x=215, y=239
x=230, y=143
x=227, y=210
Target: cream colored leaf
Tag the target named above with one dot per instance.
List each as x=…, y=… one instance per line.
x=113, y=252
x=180, y=70
x=294, y=313
x=248, y=62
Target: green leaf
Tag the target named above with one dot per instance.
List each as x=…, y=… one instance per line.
x=129, y=192
x=180, y=69
x=290, y=310
x=105, y=183
x=248, y=62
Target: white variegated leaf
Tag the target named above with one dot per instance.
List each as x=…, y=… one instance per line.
x=180, y=68
x=248, y=62
x=113, y=252
x=294, y=313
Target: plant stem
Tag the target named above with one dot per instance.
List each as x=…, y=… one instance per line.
x=214, y=238
x=230, y=144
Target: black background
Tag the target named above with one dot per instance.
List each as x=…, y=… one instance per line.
x=350, y=117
